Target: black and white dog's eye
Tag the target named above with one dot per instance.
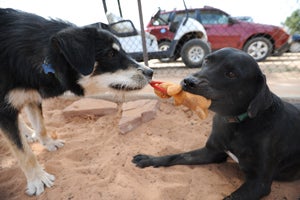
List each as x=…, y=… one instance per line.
x=111, y=54
x=230, y=75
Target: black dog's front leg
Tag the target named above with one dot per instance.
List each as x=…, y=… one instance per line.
x=200, y=156
x=251, y=190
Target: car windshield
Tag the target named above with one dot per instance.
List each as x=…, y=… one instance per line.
x=163, y=18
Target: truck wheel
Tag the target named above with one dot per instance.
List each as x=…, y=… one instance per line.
x=193, y=52
x=259, y=48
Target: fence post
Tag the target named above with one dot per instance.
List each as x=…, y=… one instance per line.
x=145, y=51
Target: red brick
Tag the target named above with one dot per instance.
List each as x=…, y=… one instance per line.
x=135, y=113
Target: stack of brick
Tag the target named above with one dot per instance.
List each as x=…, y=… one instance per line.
x=134, y=113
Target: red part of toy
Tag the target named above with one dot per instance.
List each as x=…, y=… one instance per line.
x=155, y=85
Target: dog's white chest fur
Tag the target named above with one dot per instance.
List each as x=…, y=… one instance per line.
x=232, y=156
x=20, y=97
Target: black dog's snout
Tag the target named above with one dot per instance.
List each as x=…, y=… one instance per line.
x=194, y=82
x=190, y=82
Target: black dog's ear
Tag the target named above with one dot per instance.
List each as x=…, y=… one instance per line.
x=262, y=100
x=78, y=47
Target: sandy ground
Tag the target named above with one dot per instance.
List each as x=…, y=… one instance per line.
x=95, y=162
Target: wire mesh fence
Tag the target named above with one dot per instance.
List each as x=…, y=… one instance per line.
x=177, y=41
x=188, y=35
x=288, y=62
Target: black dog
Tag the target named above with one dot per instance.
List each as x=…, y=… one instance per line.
x=42, y=58
x=251, y=124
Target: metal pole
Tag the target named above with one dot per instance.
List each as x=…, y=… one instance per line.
x=145, y=52
x=120, y=10
x=104, y=6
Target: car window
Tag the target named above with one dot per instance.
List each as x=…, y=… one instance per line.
x=208, y=17
x=182, y=15
x=179, y=16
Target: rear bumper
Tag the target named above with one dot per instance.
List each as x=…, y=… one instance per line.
x=284, y=48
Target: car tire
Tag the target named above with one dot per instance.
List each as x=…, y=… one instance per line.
x=259, y=48
x=193, y=52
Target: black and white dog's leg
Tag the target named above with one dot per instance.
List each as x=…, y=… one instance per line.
x=196, y=157
x=36, y=177
x=27, y=131
x=34, y=113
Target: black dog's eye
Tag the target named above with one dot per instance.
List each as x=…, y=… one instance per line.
x=230, y=75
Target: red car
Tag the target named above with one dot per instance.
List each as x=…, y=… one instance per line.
x=259, y=40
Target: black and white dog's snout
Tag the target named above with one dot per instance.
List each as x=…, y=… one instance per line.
x=134, y=77
x=146, y=71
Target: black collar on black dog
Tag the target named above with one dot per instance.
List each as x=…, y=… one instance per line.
x=238, y=118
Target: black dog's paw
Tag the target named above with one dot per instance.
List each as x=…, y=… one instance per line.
x=142, y=160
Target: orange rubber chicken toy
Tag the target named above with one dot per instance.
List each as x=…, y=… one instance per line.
x=197, y=103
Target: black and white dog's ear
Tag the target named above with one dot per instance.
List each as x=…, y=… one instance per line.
x=78, y=48
x=262, y=101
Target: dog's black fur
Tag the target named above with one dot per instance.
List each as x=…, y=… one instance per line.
x=28, y=42
x=265, y=139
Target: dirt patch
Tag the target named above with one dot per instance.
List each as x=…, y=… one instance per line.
x=95, y=162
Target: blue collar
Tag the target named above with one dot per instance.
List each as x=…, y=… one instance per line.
x=47, y=67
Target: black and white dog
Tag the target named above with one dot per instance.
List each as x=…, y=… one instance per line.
x=42, y=58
